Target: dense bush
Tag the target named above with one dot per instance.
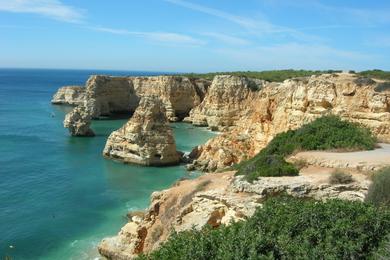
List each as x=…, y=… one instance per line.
x=339, y=177
x=288, y=228
x=377, y=74
x=325, y=133
x=379, y=190
x=271, y=75
x=384, y=86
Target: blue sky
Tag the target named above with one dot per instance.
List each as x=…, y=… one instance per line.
x=195, y=35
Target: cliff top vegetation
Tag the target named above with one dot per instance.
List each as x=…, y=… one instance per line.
x=281, y=75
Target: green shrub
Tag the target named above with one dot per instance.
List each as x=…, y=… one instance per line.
x=287, y=228
x=384, y=86
x=379, y=190
x=325, y=133
x=377, y=74
x=339, y=177
x=271, y=75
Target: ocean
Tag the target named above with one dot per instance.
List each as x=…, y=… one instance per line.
x=58, y=196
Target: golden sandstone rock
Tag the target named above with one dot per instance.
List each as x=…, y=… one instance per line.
x=146, y=138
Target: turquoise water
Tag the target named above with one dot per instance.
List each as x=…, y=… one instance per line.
x=58, y=196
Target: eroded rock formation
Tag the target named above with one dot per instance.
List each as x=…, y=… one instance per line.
x=69, y=95
x=78, y=122
x=107, y=96
x=146, y=138
x=226, y=101
x=217, y=199
x=279, y=107
x=178, y=94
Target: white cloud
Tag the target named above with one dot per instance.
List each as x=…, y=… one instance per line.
x=54, y=9
x=165, y=37
x=256, y=27
x=242, y=21
x=228, y=39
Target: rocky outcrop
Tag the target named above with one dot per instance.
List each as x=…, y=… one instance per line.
x=279, y=107
x=78, y=122
x=146, y=138
x=216, y=199
x=227, y=100
x=69, y=95
x=109, y=96
x=178, y=94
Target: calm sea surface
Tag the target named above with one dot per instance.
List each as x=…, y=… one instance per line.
x=58, y=196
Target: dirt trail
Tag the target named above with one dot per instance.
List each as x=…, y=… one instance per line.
x=362, y=160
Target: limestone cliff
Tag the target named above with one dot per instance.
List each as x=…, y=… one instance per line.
x=107, y=96
x=69, y=95
x=179, y=94
x=226, y=101
x=78, y=122
x=279, y=107
x=217, y=199
x=146, y=138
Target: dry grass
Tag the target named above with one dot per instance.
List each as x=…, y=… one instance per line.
x=339, y=177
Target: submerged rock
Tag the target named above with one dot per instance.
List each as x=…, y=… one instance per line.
x=146, y=138
x=69, y=95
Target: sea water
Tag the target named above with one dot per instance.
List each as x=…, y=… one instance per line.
x=58, y=196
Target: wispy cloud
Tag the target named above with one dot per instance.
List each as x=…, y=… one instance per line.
x=258, y=26
x=54, y=9
x=242, y=21
x=165, y=37
x=228, y=39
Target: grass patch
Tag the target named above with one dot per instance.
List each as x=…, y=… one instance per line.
x=287, y=228
x=325, y=133
x=339, y=177
x=379, y=190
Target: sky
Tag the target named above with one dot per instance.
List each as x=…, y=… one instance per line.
x=195, y=35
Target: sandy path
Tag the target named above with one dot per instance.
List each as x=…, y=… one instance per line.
x=362, y=160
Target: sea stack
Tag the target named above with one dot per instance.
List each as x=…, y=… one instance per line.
x=146, y=139
x=78, y=122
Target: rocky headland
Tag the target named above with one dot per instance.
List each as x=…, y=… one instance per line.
x=146, y=138
x=69, y=95
x=249, y=113
x=278, y=107
x=107, y=96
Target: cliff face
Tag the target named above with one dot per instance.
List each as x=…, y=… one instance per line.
x=226, y=101
x=216, y=199
x=107, y=96
x=179, y=94
x=69, y=95
x=289, y=105
x=146, y=138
